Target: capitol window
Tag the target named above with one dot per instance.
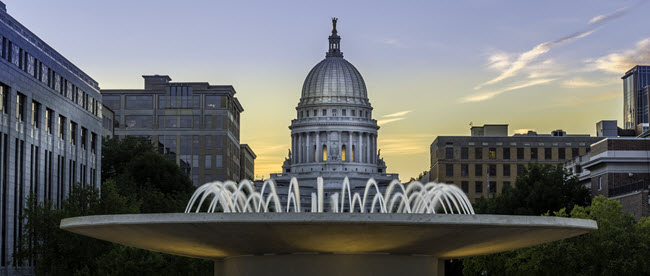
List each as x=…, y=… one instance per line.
x=354, y=112
x=344, y=112
x=315, y=113
x=333, y=112
x=324, y=112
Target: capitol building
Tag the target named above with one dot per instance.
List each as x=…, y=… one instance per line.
x=334, y=134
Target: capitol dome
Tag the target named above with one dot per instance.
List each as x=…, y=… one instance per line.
x=334, y=80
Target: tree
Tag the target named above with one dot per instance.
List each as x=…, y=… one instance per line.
x=620, y=246
x=135, y=179
x=538, y=190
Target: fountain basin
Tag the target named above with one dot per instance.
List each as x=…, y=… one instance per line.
x=242, y=243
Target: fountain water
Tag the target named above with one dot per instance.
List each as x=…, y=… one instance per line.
x=418, y=198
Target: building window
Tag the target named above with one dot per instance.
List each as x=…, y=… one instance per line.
x=506, y=169
x=324, y=112
x=138, y=121
x=48, y=120
x=20, y=107
x=533, y=153
x=561, y=152
x=218, y=161
x=314, y=113
x=36, y=113
x=478, y=170
x=73, y=133
x=600, y=183
x=492, y=153
x=464, y=185
x=520, y=153
x=212, y=102
x=84, y=135
x=506, y=153
x=324, y=152
x=61, y=127
x=478, y=187
x=208, y=161
x=354, y=113
x=139, y=102
x=548, y=153
x=344, y=112
x=520, y=169
x=492, y=170
x=464, y=170
x=112, y=101
x=333, y=112
x=478, y=153
x=575, y=152
x=4, y=95
x=464, y=153
x=449, y=153
x=343, y=154
x=449, y=170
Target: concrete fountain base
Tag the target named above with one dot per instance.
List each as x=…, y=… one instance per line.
x=327, y=243
x=316, y=264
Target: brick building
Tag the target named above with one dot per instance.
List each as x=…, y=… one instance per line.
x=619, y=168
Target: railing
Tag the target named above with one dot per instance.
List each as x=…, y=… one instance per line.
x=629, y=188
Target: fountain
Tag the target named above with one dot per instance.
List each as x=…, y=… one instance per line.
x=402, y=230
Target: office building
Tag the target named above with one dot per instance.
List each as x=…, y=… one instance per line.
x=247, y=161
x=50, y=130
x=616, y=167
x=196, y=124
x=635, y=98
x=483, y=163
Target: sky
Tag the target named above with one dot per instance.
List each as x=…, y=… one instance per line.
x=431, y=67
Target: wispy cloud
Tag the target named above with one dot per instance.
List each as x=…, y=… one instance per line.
x=397, y=114
x=393, y=117
x=482, y=96
x=511, y=67
x=617, y=63
x=407, y=144
x=583, y=83
x=386, y=121
x=577, y=100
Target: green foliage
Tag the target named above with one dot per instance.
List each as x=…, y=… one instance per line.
x=620, y=246
x=538, y=190
x=135, y=179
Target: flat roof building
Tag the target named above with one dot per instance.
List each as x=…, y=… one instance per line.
x=635, y=98
x=194, y=123
x=50, y=130
x=483, y=164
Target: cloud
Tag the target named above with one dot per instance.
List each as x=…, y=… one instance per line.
x=491, y=94
x=386, y=121
x=397, y=114
x=582, y=83
x=619, y=63
x=512, y=68
x=575, y=100
x=406, y=144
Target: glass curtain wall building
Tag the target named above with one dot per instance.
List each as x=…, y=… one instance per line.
x=50, y=131
x=635, y=97
x=193, y=123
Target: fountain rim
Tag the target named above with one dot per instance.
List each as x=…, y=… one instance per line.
x=329, y=218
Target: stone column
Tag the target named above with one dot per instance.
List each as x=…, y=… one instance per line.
x=308, y=148
x=299, y=147
x=318, y=146
x=361, y=147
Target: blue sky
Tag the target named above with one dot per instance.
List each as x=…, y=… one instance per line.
x=431, y=67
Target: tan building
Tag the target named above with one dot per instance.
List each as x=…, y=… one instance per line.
x=247, y=162
x=482, y=164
